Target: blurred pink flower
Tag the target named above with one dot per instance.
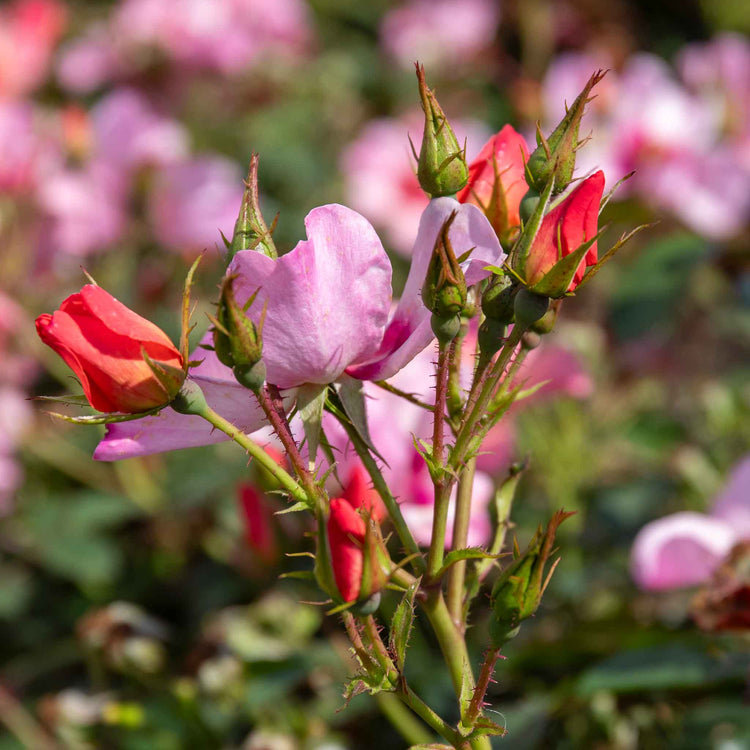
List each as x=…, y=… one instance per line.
x=685, y=548
x=86, y=207
x=15, y=418
x=192, y=202
x=128, y=132
x=440, y=34
x=29, y=30
x=380, y=178
x=227, y=36
x=27, y=150
x=638, y=121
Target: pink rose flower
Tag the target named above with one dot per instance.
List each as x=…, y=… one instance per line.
x=685, y=548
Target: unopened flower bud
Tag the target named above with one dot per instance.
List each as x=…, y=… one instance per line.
x=250, y=230
x=556, y=155
x=442, y=168
x=528, y=205
x=546, y=323
x=444, y=292
x=519, y=589
x=491, y=336
x=498, y=299
x=238, y=342
x=529, y=307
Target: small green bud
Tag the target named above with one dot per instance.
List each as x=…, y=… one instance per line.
x=442, y=168
x=518, y=591
x=445, y=329
x=546, y=323
x=498, y=299
x=444, y=292
x=238, y=342
x=557, y=154
x=251, y=376
x=491, y=336
x=190, y=399
x=250, y=230
x=529, y=307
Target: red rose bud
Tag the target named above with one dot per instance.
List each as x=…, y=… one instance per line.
x=497, y=181
x=238, y=342
x=354, y=540
x=556, y=156
x=517, y=593
x=565, y=244
x=441, y=166
x=124, y=362
x=361, y=494
x=258, y=517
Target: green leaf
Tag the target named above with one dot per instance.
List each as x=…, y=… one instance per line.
x=311, y=399
x=401, y=625
x=556, y=281
x=469, y=553
x=105, y=418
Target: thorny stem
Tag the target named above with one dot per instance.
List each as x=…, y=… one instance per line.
x=485, y=677
x=441, y=479
x=454, y=396
x=485, y=394
x=395, y=709
x=453, y=647
x=359, y=648
x=430, y=718
x=271, y=403
x=381, y=652
x=410, y=397
x=285, y=479
x=457, y=573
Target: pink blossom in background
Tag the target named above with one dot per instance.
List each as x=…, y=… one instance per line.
x=129, y=133
x=88, y=61
x=439, y=33
x=29, y=30
x=719, y=72
x=27, y=151
x=380, y=178
x=638, y=121
x=685, y=548
x=86, y=207
x=226, y=36
x=192, y=202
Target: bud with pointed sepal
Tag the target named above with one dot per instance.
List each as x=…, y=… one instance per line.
x=238, y=342
x=250, y=230
x=442, y=168
x=444, y=292
x=519, y=589
x=556, y=155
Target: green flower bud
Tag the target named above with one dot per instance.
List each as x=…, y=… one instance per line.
x=528, y=205
x=491, y=336
x=498, y=299
x=557, y=154
x=519, y=589
x=529, y=307
x=442, y=168
x=444, y=292
x=238, y=342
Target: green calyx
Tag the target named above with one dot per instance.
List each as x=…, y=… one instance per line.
x=444, y=292
x=442, y=168
x=556, y=155
x=238, y=341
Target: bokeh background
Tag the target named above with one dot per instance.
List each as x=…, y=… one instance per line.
x=140, y=602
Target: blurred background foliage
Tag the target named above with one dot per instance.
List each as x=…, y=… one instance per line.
x=133, y=611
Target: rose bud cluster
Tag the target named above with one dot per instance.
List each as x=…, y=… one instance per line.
x=124, y=362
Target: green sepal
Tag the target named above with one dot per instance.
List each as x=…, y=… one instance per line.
x=520, y=251
x=110, y=418
x=311, y=399
x=402, y=623
x=556, y=281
